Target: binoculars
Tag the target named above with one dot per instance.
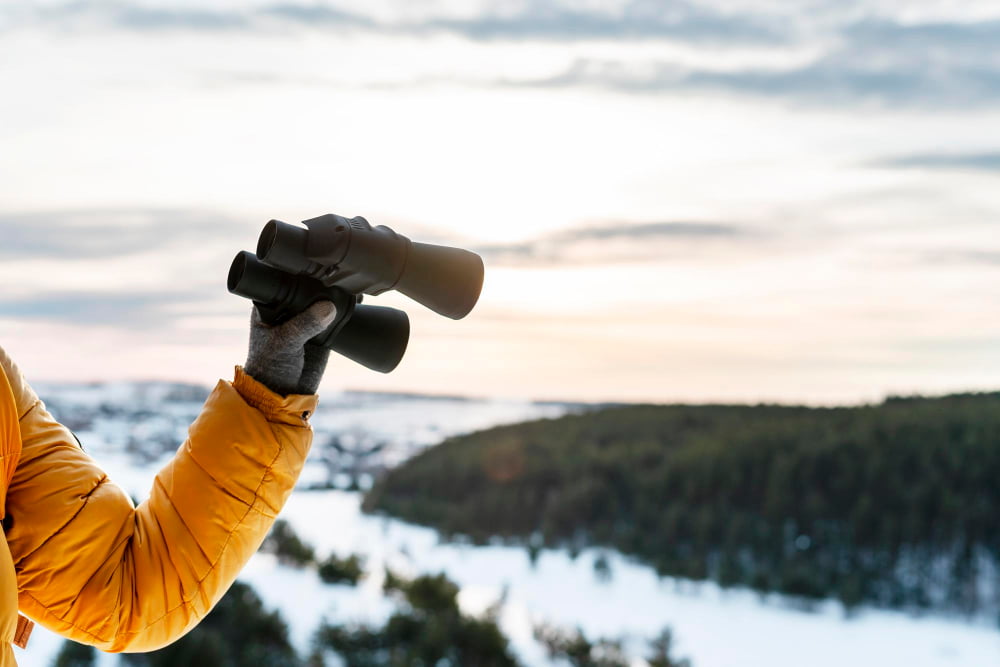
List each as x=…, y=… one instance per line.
x=341, y=259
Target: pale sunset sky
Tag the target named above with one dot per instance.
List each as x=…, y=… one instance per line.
x=728, y=200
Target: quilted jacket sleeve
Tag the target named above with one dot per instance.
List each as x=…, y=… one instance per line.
x=93, y=568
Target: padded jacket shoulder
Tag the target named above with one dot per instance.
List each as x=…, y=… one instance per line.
x=94, y=568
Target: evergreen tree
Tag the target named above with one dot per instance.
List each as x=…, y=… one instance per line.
x=283, y=542
x=428, y=629
x=578, y=651
x=72, y=654
x=334, y=570
x=239, y=631
x=661, y=650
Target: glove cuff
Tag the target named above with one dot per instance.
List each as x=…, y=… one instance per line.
x=294, y=409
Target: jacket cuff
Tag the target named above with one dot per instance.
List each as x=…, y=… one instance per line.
x=294, y=409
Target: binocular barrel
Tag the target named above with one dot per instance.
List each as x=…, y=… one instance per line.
x=282, y=294
x=374, y=336
x=351, y=254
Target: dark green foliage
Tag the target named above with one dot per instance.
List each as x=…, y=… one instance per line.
x=287, y=546
x=661, y=649
x=238, y=632
x=336, y=570
x=578, y=651
x=574, y=647
x=75, y=655
x=435, y=594
x=602, y=568
x=393, y=582
x=860, y=503
x=428, y=630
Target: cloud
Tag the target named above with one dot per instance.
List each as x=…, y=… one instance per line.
x=167, y=18
x=869, y=62
x=964, y=257
x=876, y=63
x=151, y=17
x=615, y=242
x=144, y=311
x=109, y=233
x=675, y=20
x=652, y=230
x=102, y=241
x=95, y=244
x=318, y=15
x=985, y=161
x=154, y=18
x=835, y=80
x=960, y=40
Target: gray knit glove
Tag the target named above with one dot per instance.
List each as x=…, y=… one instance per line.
x=281, y=359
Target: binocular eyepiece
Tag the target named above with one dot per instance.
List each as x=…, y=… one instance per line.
x=341, y=259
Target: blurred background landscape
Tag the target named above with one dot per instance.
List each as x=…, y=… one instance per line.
x=694, y=218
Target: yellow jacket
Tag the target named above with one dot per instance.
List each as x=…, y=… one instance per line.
x=81, y=560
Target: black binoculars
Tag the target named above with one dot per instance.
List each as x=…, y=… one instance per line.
x=341, y=259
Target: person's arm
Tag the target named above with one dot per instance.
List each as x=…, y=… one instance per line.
x=95, y=569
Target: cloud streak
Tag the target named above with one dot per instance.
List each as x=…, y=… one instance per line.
x=94, y=244
x=868, y=63
x=963, y=257
x=151, y=18
x=105, y=234
x=986, y=161
x=615, y=242
x=675, y=20
x=145, y=311
x=835, y=80
x=170, y=18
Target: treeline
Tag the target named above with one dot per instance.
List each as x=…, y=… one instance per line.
x=896, y=504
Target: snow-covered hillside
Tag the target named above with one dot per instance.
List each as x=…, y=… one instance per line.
x=132, y=429
x=356, y=433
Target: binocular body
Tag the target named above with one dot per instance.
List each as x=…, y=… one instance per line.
x=340, y=259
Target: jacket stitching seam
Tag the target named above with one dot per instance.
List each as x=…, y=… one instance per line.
x=34, y=405
x=85, y=498
x=220, y=484
x=157, y=482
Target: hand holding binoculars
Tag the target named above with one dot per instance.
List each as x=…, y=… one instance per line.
x=341, y=259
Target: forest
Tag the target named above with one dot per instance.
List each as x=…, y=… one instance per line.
x=895, y=504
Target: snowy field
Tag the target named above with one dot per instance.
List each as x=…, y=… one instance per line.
x=712, y=627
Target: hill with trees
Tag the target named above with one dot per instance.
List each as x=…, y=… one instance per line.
x=895, y=504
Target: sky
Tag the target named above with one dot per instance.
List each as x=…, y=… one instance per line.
x=729, y=200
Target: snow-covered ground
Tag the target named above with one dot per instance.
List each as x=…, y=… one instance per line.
x=354, y=431
x=714, y=628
